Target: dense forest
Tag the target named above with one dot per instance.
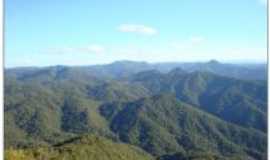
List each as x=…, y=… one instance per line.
x=136, y=110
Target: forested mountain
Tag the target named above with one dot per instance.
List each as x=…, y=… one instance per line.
x=163, y=125
x=169, y=112
x=237, y=101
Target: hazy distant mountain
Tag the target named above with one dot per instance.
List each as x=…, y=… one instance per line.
x=241, y=71
x=123, y=69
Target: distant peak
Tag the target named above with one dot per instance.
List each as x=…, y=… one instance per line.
x=60, y=66
x=128, y=62
x=213, y=61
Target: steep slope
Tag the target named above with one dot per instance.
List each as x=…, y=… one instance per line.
x=51, y=104
x=34, y=114
x=236, y=101
x=117, y=91
x=44, y=106
x=162, y=125
x=82, y=148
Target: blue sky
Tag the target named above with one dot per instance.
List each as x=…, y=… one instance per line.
x=83, y=32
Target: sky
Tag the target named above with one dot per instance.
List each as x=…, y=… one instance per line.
x=86, y=32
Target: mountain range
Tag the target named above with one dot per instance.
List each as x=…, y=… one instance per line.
x=163, y=111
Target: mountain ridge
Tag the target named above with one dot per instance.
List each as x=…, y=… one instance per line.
x=168, y=114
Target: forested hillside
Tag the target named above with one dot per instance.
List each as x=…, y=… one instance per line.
x=193, y=112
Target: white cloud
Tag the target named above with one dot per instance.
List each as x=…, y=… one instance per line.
x=135, y=28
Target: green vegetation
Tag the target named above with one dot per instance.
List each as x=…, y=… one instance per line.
x=236, y=101
x=173, y=115
x=162, y=125
x=82, y=148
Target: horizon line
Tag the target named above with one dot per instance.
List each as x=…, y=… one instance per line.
x=235, y=62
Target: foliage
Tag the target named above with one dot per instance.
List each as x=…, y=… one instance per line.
x=168, y=114
x=81, y=148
